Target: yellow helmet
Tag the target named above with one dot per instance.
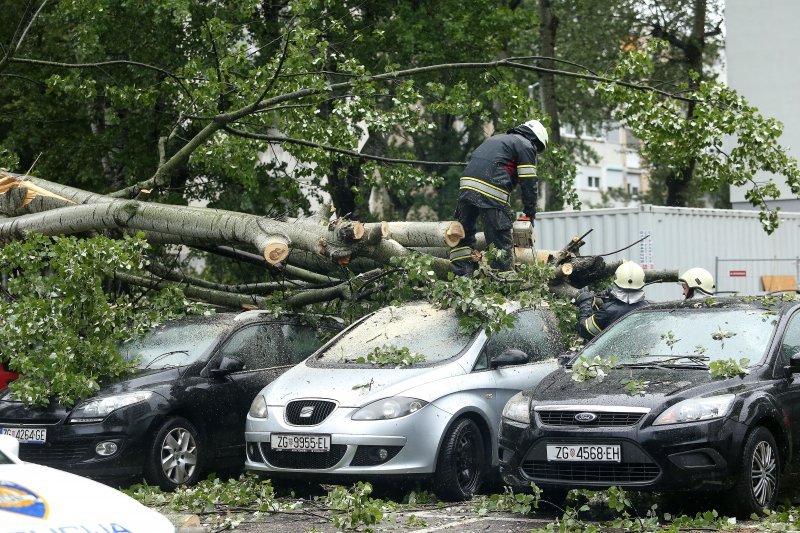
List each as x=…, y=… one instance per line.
x=629, y=275
x=700, y=279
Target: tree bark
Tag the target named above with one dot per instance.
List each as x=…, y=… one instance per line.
x=548, y=27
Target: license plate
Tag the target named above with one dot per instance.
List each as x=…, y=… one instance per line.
x=603, y=453
x=34, y=435
x=300, y=443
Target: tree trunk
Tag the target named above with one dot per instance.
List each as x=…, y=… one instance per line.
x=548, y=26
x=679, y=181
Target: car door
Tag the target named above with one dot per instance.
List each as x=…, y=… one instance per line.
x=258, y=347
x=789, y=392
x=536, y=333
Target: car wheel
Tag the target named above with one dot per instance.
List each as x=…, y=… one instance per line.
x=462, y=462
x=176, y=455
x=759, y=475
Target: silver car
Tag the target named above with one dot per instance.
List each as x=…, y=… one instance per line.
x=343, y=414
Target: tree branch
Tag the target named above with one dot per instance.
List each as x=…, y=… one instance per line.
x=221, y=121
x=352, y=153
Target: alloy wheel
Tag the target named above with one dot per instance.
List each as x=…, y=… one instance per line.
x=178, y=455
x=763, y=472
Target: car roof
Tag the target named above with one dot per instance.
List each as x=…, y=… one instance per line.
x=234, y=319
x=779, y=302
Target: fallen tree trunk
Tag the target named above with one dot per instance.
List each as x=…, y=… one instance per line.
x=321, y=254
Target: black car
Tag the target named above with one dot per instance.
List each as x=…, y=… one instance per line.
x=659, y=419
x=181, y=412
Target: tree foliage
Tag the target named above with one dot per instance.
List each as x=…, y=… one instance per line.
x=59, y=323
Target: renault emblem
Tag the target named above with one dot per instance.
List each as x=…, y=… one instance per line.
x=307, y=411
x=581, y=417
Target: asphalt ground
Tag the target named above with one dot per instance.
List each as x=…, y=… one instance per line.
x=311, y=516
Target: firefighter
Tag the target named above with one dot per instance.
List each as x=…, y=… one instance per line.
x=597, y=312
x=697, y=283
x=494, y=169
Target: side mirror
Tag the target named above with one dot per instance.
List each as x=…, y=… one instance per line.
x=794, y=364
x=508, y=357
x=228, y=365
x=563, y=360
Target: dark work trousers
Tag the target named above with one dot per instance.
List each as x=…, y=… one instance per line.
x=497, y=224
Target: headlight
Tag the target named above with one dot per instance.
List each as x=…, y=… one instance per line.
x=389, y=408
x=99, y=408
x=258, y=409
x=696, y=409
x=518, y=409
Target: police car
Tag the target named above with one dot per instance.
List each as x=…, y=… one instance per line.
x=38, y=499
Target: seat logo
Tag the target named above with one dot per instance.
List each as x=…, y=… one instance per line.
x=307, y=411
x=586, y=417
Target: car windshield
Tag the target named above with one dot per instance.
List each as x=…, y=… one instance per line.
x=172, y=344
x=428, y=334
x=686, y=336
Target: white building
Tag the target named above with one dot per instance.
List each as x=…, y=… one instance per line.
x=760, y=46
x=617, y=178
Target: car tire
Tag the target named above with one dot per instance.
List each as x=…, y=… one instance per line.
x=759, y=475
x=462, y=462
x=176, y=455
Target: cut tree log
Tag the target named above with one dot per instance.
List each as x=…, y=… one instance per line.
x=426, y=234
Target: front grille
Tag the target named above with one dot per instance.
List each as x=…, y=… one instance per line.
x=308, y=412
x=567, y=418
x=55, y=453
x=309, y=460
x=599, y=473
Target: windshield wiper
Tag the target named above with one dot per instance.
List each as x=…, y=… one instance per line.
x=695, y=361
x=162, y=356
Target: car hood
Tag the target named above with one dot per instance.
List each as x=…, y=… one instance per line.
x=354, y=387
x=664, y=385
x=38, y=498
x=16, y=411
x=141, y=379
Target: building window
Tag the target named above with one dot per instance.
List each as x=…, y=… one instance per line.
x=593, y=182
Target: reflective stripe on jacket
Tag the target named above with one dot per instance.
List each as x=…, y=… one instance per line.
x=596, y=314
x=495, y=168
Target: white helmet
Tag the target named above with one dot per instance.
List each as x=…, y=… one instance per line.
x=629, y=275
x=539, y=130
x=700, y=279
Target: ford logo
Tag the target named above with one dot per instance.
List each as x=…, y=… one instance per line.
x=586, y=417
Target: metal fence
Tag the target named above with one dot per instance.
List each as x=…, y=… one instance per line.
x=744, y=276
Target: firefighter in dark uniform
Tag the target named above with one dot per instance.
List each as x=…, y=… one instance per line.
x=494, y=169
x=597, y=312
